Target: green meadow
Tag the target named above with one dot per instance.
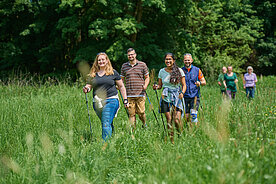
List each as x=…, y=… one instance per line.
x=45, y=138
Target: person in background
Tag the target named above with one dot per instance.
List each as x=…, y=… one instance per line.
x=172, y=79
x=135, y=74
x=194, y=79
x=103, y=80
x=220, y=81
x=249, y=82
x=230, y=83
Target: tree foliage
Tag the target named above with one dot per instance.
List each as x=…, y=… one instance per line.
x=50, y=35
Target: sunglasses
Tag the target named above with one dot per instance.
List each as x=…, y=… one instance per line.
x=101, y=53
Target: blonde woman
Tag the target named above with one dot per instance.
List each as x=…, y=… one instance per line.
x=103, y=80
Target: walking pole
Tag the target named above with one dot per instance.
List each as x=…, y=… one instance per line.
x=131, y=129
x=152, y=108
x=88, y=114
x=184, y=111
x=159, y=108
x=123, y=103
x=184, y=108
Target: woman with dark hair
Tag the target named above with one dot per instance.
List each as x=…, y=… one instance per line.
x=103, y=80
x=172, y=79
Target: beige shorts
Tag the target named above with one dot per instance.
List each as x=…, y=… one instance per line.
x=136, y=105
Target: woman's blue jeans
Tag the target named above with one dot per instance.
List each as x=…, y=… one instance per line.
x=106, y=115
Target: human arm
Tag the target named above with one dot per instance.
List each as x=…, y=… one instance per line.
x=255, y=80
x=147, y=80
x=236, y=81
x=123, y=74
x=243, y=81
x=123, y=79
x=219, y=80
x=236, y=78
x=202, y=81
x=184, y=87
x=224, y=83
x=122, y=89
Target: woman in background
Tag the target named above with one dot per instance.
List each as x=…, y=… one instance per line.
x=230, y=83
x=249, y=82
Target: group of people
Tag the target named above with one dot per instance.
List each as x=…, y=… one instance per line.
x=132, y=84
x=179, y=84
x=180, y=90
x=228, y=80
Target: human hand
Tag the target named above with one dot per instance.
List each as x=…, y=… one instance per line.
x=86, y=89
x=197, y=83
x=181, y=96
x=155, y=86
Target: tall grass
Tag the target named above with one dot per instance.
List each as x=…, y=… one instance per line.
x=45, y=138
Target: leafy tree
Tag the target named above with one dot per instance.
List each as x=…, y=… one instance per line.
x=265, y=56
x=50, y=35
x=220, y=33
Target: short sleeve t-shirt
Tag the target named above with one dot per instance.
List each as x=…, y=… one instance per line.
x=165, y=77
x=135, y=78
x=230, y=82
x=105, y=86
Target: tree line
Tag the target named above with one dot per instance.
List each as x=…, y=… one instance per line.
x=45, y=36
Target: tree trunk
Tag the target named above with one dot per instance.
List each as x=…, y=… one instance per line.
x=138, y=16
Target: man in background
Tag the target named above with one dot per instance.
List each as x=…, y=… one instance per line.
x=194, y=79
x=135, y=74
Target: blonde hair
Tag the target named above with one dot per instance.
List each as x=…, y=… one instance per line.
x=95, y=67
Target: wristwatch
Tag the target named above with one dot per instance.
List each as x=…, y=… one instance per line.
x=125, y=101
